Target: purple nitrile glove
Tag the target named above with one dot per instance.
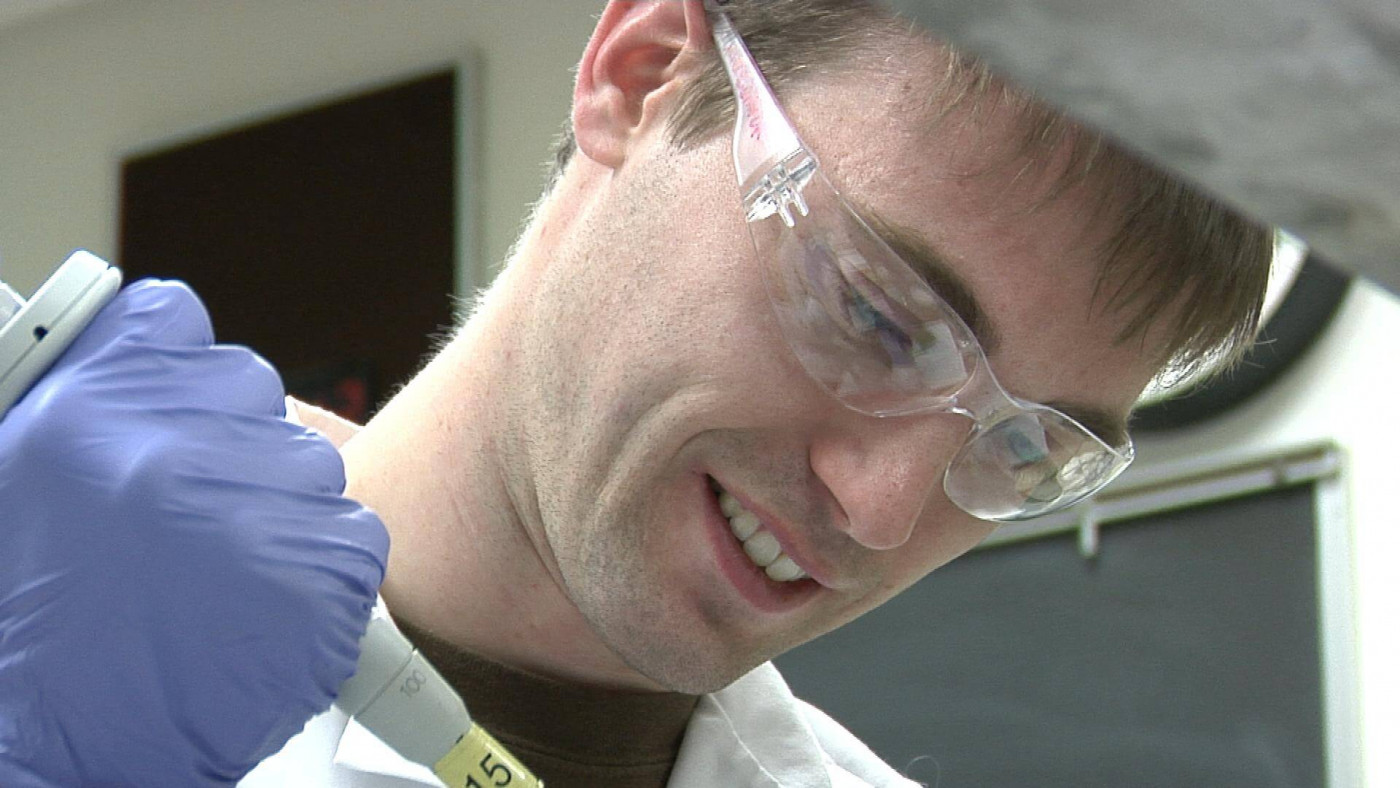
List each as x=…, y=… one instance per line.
x=182, y=584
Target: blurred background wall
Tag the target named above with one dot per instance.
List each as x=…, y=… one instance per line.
x=92, y=81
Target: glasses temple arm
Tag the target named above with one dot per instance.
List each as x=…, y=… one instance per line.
x=763, y=135
x=770, y=161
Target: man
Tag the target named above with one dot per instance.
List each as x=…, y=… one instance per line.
x=628, y=482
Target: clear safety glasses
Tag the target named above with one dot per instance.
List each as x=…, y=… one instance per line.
x=876, y=336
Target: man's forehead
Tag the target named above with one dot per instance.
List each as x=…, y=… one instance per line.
x=1160, y=244
x=998, y=188
x=984, y=179
x=1014, y=255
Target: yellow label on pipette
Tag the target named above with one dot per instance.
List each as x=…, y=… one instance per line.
x=477, y=760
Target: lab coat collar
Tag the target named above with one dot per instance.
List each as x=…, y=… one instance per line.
x=751, y=733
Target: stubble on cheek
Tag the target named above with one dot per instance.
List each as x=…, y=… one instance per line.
x=633, y=579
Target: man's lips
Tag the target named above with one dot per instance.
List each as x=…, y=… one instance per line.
x=785, y=534
x=747, y=577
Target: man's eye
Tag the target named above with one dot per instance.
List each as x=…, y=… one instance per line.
x=869, y=320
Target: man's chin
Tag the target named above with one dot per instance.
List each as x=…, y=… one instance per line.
x=694, y=669
x=688, y=680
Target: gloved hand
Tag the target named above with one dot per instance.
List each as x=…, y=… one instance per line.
x=182, y=585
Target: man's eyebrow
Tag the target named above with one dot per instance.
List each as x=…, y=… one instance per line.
x=932, y=266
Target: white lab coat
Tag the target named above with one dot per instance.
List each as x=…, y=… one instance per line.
x=752, y=734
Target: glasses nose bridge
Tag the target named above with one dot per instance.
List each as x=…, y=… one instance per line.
x=981, y=398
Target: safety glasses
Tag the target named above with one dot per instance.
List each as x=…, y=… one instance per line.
x=876, y=336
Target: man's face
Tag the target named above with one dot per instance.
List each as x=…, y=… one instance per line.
x=658, y=376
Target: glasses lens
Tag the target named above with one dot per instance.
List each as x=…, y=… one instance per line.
x=862, y=324
x=1034, y=462
x=870, y=331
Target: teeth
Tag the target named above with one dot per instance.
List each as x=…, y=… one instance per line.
x=730, y=506
x=763, y=548
x=760, y=545
x=744, y=525
x=783, y=570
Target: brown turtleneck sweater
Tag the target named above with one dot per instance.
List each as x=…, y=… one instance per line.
x=567, y=734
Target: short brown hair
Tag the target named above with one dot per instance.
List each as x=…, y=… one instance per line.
x=1172, y=245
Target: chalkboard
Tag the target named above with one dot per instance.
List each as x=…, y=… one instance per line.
x=1185, y=654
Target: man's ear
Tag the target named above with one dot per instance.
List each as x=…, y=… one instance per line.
x=629, y=68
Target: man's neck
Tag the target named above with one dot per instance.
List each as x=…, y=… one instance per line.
x=468, y=560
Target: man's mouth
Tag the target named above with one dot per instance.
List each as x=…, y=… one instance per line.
x=759, y=545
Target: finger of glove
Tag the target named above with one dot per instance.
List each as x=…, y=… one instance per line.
x=279, y=580
x=214, y=454
x=294, y=604
x=140, y=375
x=152, y=311
x=161, y=422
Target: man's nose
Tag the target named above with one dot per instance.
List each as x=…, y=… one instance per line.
x=883, y=472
